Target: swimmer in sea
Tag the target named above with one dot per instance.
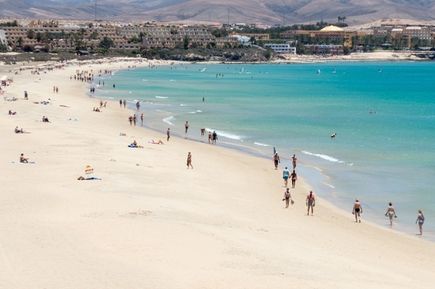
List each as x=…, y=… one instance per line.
x=186, y=127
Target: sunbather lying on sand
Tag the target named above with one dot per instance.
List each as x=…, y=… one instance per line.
x=156, y=142
x=88, y=179
x=18, y=130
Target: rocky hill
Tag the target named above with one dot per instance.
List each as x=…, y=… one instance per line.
x=247, y=11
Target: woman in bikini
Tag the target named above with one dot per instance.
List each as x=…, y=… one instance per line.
x=189, y=160
x=390, y=213
x=420, y=221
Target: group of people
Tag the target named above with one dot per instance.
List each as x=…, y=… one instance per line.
x=286, y=175
x=132, y=119
x=122, y=103
x=310, y=201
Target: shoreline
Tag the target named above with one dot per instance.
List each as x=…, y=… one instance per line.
x=375, y=56
x=149, y=198
x=252, y=151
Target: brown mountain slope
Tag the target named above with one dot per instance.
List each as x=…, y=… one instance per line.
x=249, y=11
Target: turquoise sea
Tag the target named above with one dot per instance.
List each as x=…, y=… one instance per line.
x=383, y=114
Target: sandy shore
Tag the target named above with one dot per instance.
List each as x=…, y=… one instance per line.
x=366, y=56
x=151, y=223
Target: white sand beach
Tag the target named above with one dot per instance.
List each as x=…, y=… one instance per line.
x=151, y=223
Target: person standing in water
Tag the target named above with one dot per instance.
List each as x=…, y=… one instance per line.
x=276, y=160
x=141, y=119
x=189, y=161
x=420, y=221
x=285, y=176
x=357, y=211
x=137, y=105
x=310, y=202
x=294, y=159
x=390, y=213
x=168, y=134
x=287, y=198
x=294, y=177
x=186, y=127
x=214, y=137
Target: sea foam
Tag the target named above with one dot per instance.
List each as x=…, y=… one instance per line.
x=169, y=120
x=324, y=157
x=225, y=134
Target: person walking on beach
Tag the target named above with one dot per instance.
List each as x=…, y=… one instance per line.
x=420, y=221
x=209, y=137
x=357, y=211
x=141, y=119
x=294, y=159
x=390, y=213
x=285, y=176
x=130, y=120
x=120, y=103
x=168, y=134
x=186, y=127
x=124, y=103
x=287, y=198
x=189, y=161
x=276, y=160
x=310, y=202
x=214, y=137
x=294, y=177
x=134, y=119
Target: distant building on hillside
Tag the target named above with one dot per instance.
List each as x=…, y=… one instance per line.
x=328, y=35
x=283, y=48
x=257, y=36
x=324, y=49
x=87, y=36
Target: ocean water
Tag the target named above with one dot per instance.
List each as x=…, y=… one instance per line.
x=383, y=114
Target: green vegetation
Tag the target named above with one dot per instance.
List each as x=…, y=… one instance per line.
x=186, y=41
x=106, y=44
x=3, y=47
x=30, y=34
x=9, y=24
